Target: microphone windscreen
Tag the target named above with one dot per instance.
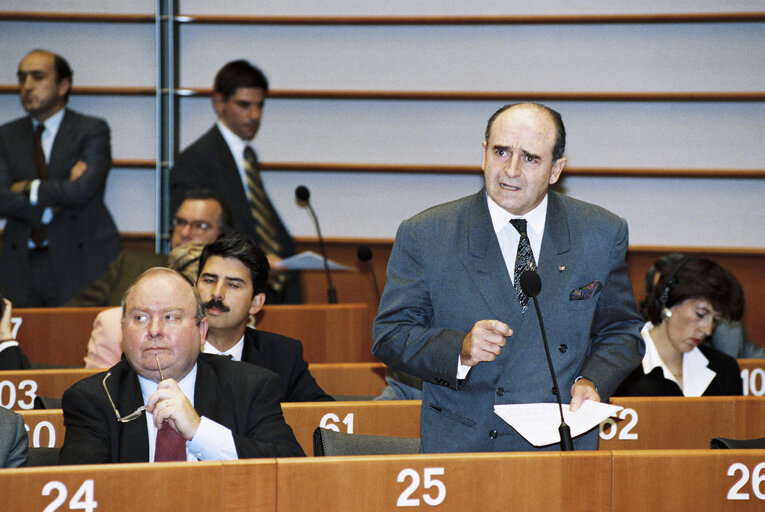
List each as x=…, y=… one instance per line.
x=531, y=283
x=364, y=253
x=302, y=193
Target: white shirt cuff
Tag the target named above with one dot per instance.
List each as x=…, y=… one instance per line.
x=34, y=187
x=8, y=344
x=212, y=441
x=462, y=370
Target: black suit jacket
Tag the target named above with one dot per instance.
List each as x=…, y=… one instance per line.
x=726, y=382
x=284, y=356
x=208, y=163
x=82, y=236
x=242, y=397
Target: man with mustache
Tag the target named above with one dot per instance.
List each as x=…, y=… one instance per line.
x=233, y=273
x=224, y=160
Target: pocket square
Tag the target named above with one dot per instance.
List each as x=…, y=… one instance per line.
x=586, y=292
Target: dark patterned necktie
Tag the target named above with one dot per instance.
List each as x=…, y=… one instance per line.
x=41, y=169
x=170, y=445
x=524, y=260
x=263, y=213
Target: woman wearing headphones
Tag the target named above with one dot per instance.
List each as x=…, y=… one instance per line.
x=683, y=308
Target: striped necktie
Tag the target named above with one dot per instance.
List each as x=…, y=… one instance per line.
x=263, y=213
x=524, y=260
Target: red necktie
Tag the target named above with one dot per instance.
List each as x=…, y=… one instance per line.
x=170, y=446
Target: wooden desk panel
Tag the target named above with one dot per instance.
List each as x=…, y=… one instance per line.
x=360, y=379
x=752, y=376
x=335, y=333
x=397, y=418
x=651, y=423
x=486, y=482
x=330, y=333
x=55, y=335
x=695, y=480
x=116, y=486
x=246, y=486
x=45, y=428
x=18, y=388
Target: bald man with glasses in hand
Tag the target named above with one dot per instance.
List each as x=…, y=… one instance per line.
x=166, y=401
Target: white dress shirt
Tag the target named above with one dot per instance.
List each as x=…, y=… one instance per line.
x=212, y=440
x=235, y=352
x=236, y=145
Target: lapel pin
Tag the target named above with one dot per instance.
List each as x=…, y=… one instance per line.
x=561, y=268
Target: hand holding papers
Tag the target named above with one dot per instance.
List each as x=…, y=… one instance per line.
x=538, y=423
x=309, y=260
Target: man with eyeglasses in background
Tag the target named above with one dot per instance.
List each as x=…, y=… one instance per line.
x=166, y=401
x=202, y=217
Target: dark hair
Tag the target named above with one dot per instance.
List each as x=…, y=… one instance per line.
x=560, y=131
x=661, y=266
x=236, y=245
x=226, y=222
x=696, y=278
x=236, y=74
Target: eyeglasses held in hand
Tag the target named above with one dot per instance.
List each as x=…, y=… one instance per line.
x=135, y=414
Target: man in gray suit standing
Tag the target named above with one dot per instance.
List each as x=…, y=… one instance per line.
x=452, y=315
x=59, y=235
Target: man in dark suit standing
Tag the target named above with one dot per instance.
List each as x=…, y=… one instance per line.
x=453, y=314
x=224, y=160
x=232, y=281
x=59, y=235
x=165, y=400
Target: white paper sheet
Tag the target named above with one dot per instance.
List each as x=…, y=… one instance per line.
x=538, y=423
x=309, y=260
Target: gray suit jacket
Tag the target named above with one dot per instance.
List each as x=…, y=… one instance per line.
x=446, y=272
x=82, y=236
x=14, y=441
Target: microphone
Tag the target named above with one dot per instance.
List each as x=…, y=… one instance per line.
x=303, y=196
x=531, y=285
x=364, y=254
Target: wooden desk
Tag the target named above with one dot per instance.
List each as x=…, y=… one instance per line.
x=651, y=423
x=44, y=427
x=693, y=480
x=209, y=486
x=330, y=333
x=390, y=418
x=18, y=388
x=397, y=418
x=360, y=379
x=465, y=482
x=55, y=335
x=337, y=333
x=752, y=376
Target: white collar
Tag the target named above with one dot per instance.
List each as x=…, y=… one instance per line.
x=235, y=352
x=235, y=143
x=535, y=219
x=696, y=375
x=148, y=387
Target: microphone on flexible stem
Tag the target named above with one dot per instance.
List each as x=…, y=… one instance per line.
x=531, y=285
x=303, y=196
x=364, y=254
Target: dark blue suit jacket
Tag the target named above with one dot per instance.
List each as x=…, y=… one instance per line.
x=446, y=272
x=284, y=356
x=208, y=163
x=83, y=238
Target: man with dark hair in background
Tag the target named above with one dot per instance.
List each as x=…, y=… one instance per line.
x=59, y=235
x=233, y=273
x=223, y=159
